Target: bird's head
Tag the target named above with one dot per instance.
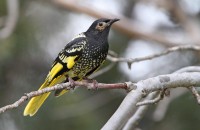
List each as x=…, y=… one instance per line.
x=101, y=27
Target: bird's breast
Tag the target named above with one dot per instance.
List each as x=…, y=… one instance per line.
x=92, y=57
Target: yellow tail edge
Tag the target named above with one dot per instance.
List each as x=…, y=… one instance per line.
x=62, y=92
x=36, y=102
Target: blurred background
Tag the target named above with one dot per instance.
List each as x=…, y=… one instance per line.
x=33, y=32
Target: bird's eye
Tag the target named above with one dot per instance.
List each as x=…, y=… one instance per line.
x=100, y=24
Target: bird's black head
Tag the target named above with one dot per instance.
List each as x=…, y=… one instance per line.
x=100, y=28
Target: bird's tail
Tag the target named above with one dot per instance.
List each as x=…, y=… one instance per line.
x=36, y=102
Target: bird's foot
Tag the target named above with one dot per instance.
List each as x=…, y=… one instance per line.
x=72, y=83
x=93, y=81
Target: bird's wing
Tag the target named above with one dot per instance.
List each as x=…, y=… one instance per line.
x=67, y=58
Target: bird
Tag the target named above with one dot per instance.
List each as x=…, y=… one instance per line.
x=81, y=57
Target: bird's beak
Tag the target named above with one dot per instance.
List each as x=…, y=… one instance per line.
x=112, y=21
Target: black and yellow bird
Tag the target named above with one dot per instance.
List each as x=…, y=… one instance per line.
x=80, y=58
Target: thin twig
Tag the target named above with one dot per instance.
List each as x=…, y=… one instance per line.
x=195, y=93
x=169, y=50
x=112, y=53
x=152, y=101
x=67, y=85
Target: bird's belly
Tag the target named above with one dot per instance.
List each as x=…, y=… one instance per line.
x=82, y=67
x=71, y=74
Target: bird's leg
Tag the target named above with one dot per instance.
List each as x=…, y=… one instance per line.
x=72, y=83
x=95, y=83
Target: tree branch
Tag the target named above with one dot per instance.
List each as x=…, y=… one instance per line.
x=195, y=93
x=128, y=106
x=134, y=120
x=169, y=50
x=162, y=107
x=67, y=85
x=152, y=101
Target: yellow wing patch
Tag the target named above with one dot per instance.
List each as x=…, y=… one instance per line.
x=70, y=61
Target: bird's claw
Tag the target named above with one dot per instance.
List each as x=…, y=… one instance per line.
x=95, y=84
x=72, y=83
x=93, y=81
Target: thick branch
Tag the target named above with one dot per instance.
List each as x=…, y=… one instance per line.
x=162, y=107
x=134, y=120
x=128, y=106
